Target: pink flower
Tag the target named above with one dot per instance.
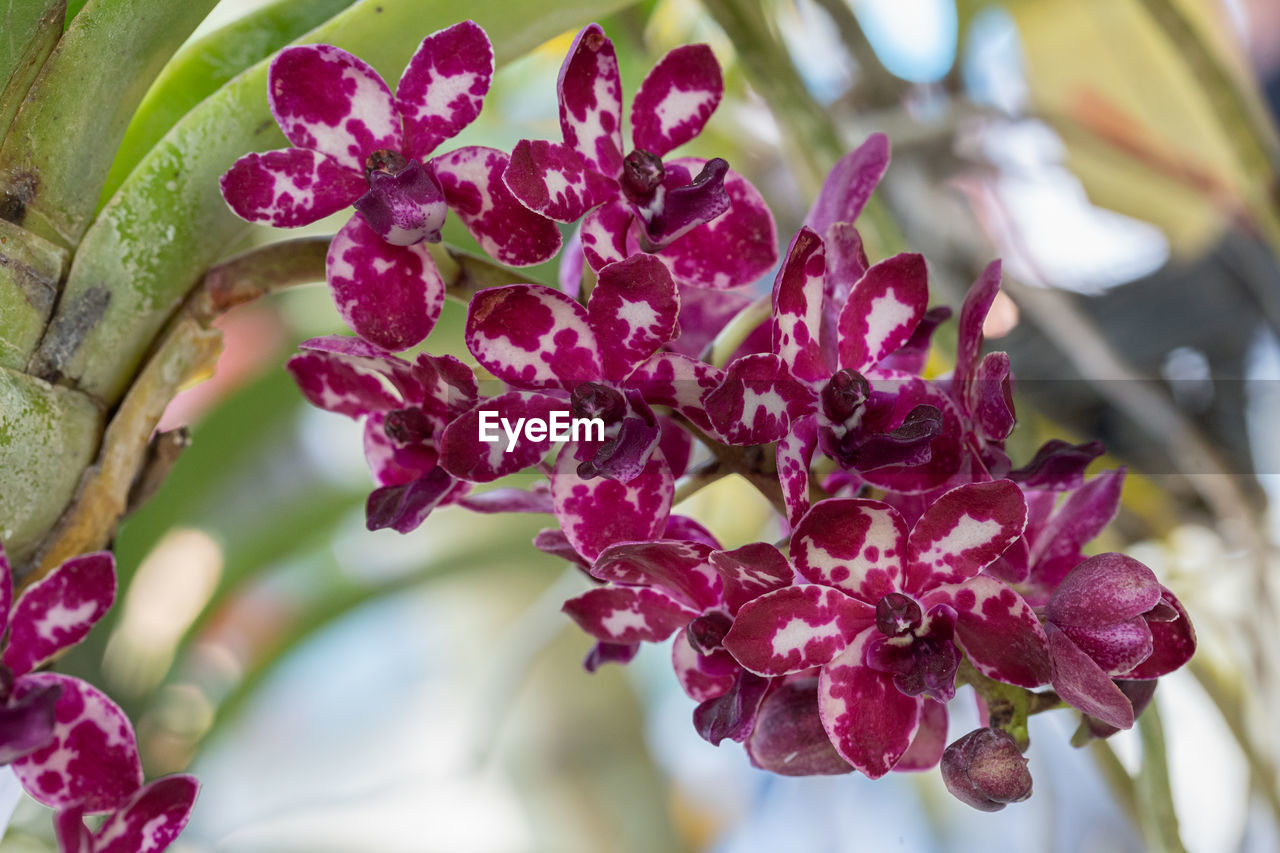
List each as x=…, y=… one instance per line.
x=356, y=143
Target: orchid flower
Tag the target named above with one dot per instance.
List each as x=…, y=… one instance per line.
x=149, y=821
x=357, y=144
x=706, y=222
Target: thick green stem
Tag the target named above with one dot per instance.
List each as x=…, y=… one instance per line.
x=1159, y=818
x=738, y=330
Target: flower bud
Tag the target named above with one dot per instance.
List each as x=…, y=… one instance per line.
x=985, y=770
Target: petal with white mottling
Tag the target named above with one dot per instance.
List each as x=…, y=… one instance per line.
x=793, y=629
x=443, y=86
x=853, y=544
x=58, y=611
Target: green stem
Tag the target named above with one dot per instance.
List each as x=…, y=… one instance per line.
x=1118, y=779
x=1160, y=819
x=737, y=330
x=699, y=478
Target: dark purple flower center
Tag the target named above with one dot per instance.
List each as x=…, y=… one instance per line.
x=404, y=204
x=408, y=426
x=917, y=650
x=897, y=614
x=844, y=395
x=706, y=633
x=642, y=173
x=594, y=400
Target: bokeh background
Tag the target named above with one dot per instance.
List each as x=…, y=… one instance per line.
x=340, y=690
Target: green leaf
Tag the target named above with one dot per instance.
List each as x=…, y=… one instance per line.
x=203, y=66
x=168, y=222
x=29, y=29
x=30, y=269
x=48, y=436
x=61, y=144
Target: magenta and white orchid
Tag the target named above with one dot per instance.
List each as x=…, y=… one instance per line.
x=355, y=143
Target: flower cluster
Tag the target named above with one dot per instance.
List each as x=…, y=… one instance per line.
x=919, y=558
x=69, y=745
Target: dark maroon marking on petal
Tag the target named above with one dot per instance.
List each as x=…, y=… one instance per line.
x=977, y=302
x=883, y=310
x=733, y=714
x=58, y=611
x=92, y=759
x=554, y=180
x=853, y=544
x=533, y=337
x=390, y=295
x=670, y=379
x=788, y=738
x=633, y=307
x=735, y=249
x=151, y=819
x=627, y=615
x=963, y=532
x=602, y=653
x=443, y=86
x=797, y=307
x=590, y=90
x=870, y=722
x=795, y=628
x=676, y=99
x=598, y=513
x=504, y=228
x=289, y=188
x=849, y=184
x=327, y=100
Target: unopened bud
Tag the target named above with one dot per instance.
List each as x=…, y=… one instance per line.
x=985, y=770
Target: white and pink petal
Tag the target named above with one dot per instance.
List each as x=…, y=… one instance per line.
x=151, y=819
x=676, y=98
x=883, y=310
x=853, y=544
x=963, y=532
x=57, y=612
x=597, y=513
x=289, y=188
x=590, y=90
x=389, y=295
x=533, y=336
x=553, y=180
x=443, y=86
x=997, y=629
x=702, y=676
x=796, y=628
x=757, y=401
x=627, y=615
x=467, y=454
x=682, y=570
x=634, y=306
x=332, y=102
x=798, y=306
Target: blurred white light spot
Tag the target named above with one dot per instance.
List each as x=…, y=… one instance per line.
x=915, y=39
x=1002, y=317
x=1186, y=369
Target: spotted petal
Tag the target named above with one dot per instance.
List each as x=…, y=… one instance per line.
x=735, y=248
x=441, y=90
x=390, y=295
x=590, y=90
x=93, y=757
x=634, y=307
x=990, y=397
x=997, y=629
x=507, y=230
x=850, y=184
x=679, y=569
x=671, y=379
x=554, y=180
x=337, y=385
x=793, y=629
x=289, y=188
x=757, y=401
x=963, y=532
x=327, y=100
x=870, y=722
x=604, y=234
x=797, y=307
x=533, y=337
x=600, y=512
x=476, y=447
x=151, y=819
x=852, y=544
x=676, y=99
x=627, y=615
x=788, y=738
x=930, y=741
x=58, y=611
x=883, y=310
x=751, y=571
x=795, y=454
